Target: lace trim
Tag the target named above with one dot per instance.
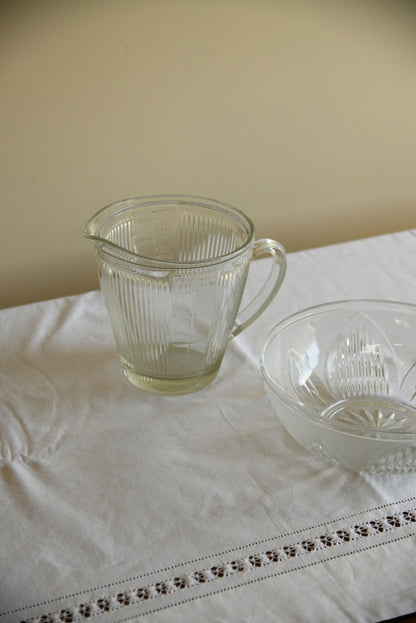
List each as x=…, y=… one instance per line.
x=139, y=594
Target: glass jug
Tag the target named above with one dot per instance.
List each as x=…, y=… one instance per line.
x=172, y=270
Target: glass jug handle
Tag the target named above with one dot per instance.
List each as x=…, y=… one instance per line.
x=248, y=314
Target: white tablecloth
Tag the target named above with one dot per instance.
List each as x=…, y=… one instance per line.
x=128, y=506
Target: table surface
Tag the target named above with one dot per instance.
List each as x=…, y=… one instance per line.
x=128, y=506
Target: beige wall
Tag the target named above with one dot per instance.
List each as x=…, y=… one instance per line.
x=300, y=113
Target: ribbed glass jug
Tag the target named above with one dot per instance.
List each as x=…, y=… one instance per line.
x=172, y=270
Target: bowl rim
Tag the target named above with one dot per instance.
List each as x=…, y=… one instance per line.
x=314, y=415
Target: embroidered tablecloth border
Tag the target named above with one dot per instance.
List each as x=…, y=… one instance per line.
x=187, y=581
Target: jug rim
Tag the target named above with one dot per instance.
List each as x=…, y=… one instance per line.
x=104, y=214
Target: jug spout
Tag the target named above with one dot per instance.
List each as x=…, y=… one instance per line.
x=95, y=229
x=112, y=232
x=92, y=228
x=90, y=232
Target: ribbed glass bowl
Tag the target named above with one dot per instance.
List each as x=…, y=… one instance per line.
x=341, y=378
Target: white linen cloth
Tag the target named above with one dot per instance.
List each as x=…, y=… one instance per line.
x=128, y=506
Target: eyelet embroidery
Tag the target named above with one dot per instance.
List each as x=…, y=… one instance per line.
x=108, y=603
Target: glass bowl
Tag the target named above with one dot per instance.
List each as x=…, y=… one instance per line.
x=341, y=378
